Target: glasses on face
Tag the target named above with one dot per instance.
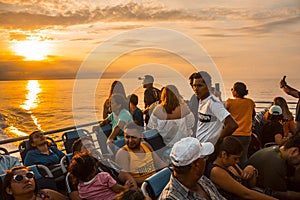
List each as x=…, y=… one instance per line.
x=20, y=178
x=129, y=136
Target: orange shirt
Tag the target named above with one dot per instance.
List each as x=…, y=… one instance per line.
x=241, y=110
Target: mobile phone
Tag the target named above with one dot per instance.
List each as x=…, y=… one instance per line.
x=217, y=86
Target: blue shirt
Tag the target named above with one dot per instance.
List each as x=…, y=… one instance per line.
x=137, y=116
x=35, y=156
x=7, y=162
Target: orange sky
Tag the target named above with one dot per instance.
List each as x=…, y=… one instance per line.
x=248, y=39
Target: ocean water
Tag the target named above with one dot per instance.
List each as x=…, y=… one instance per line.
x=46, y=105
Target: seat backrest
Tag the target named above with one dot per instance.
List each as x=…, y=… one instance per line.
x=24, y=147
x=254, y=145
x=102, y=133
x=65, y=162
x=154, y=139
x=3, y=151
x=155, y=184
x=69, y=138
x=43, y=176
x=117, y=145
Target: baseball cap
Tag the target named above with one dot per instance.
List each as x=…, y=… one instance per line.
x=275, y=110
x=189, y=149
x=148, y=79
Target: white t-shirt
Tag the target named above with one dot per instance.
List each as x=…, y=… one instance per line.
x=174, y=129
x=211, y=115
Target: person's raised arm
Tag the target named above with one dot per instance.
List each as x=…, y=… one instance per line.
x=288, y=89
x=115, y=132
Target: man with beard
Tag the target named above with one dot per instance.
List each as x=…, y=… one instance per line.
x=138, y=157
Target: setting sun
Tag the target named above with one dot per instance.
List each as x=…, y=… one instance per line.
x=31, y=49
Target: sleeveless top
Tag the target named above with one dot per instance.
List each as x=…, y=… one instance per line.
x=141, y=167
x=224, y=193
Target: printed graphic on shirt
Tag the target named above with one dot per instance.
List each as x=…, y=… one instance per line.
x=206, y=118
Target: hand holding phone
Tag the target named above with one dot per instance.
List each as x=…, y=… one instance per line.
x=283, y=82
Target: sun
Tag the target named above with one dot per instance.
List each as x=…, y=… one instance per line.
x=32, y=49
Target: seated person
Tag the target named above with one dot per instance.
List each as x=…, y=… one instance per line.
x=272, y=130
x=136, y=113
x=273, y=164
x=93, y=184
x=231, y=181
x=85, y=144
x=119, y=117
x=41, y=152
x=187, y=181
x=19, y=183
x=7, y=162
x=137, y=157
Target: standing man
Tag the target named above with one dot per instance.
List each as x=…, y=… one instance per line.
x=138, y=157
x=151, y=95
x=295, y=93
x=214, y=121
x=187, y=181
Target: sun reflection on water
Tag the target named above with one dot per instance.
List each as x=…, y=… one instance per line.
x=32, y=100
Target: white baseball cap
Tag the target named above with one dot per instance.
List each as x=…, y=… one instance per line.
x=275, y=110
x=189, y=149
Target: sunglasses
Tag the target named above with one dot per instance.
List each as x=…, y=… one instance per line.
x=20, y=178
x=129, y=136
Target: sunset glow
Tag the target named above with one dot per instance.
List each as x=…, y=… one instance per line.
x=31, y=49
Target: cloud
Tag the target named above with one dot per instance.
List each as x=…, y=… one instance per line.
x=45, y=14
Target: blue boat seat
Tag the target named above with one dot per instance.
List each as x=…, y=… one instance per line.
x=154, y=139
x=155, y=184
x=69, y=138
x=65, y=162
x=117, y=145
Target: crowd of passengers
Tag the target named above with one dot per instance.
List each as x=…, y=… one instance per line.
x=206, y=147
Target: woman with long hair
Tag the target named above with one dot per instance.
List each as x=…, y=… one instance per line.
x=233, y=182
x=116, y=88
x=172, y=118
x=289, y=125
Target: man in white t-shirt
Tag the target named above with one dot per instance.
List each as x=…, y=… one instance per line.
x=214, y=121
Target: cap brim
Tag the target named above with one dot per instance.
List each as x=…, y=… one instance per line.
x=207, y=148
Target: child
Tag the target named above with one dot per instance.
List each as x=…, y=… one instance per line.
x=93, y=184
x=136, y=113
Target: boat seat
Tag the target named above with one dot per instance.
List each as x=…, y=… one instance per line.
x=155, y=184
x=117, y=145
x=65, y=162
x=154, y=139
x=101, y=134
x=3, y=151
x=69, y=138
x=24, y=147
